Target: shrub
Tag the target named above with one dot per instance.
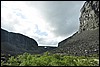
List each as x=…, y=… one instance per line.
x=48, y=59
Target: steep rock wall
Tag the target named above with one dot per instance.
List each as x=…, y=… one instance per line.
x=89, y=19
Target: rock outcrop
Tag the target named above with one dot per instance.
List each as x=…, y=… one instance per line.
x=89, y=18
x=86, y=40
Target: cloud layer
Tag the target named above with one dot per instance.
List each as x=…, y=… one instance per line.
x=48, y=22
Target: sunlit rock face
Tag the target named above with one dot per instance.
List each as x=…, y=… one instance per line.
x=89, y=19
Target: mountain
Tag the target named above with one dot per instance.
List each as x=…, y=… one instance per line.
x=16, y=43
x=86, y=40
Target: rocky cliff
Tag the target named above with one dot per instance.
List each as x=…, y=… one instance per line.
x=86, y=40
x=15, y=43
x=89, y=18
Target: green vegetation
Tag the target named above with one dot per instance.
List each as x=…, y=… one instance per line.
x=48, y=59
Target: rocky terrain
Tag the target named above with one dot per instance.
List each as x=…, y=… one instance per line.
x=86, y=40
x=86, y=43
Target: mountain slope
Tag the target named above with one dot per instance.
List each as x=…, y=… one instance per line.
x=86, y=40
x=85, y=43
x=15, y=43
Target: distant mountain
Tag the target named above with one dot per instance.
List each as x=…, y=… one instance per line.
x=86, y=40
x=15, y=43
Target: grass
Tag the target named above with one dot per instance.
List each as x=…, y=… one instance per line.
x=48, y=59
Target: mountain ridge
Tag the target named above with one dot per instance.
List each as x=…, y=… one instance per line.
x=16, y=43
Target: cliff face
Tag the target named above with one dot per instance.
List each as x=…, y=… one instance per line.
x=15, y=43
x=89, y=18
x=86, y=40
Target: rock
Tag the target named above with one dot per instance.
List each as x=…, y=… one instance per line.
x=3, y=58
x=89, y=18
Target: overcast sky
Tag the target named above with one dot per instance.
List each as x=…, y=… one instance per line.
x=48, y=22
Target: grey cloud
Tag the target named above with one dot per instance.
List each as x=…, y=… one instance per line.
x=45, y=42
x=62, y=16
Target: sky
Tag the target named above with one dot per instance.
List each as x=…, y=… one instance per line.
x=47, y=22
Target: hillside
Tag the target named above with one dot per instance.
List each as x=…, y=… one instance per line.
x=85, y=43
x=15, y=43
x=86, y=40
